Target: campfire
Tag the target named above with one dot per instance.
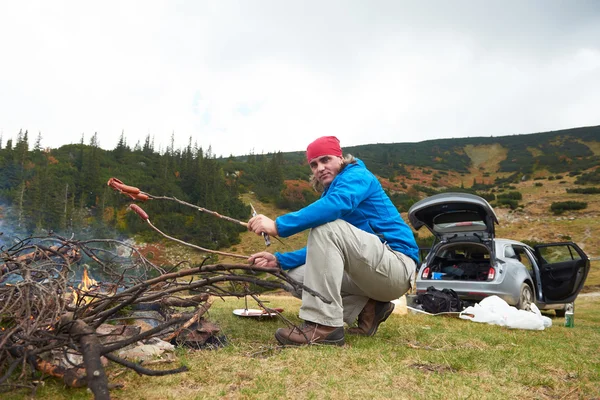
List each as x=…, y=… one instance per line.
x=70, y=331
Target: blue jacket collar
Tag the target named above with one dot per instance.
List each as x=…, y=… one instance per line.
x=353, y=165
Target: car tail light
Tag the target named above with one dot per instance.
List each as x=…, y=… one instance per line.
x=491, y=274
x=425, y=273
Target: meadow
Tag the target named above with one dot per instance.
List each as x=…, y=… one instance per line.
x=413, y=356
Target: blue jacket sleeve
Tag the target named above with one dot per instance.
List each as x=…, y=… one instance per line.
x=344, y=195
x=291, y=259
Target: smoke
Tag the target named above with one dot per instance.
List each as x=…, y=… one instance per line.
x=9, y=235
x=13, y=237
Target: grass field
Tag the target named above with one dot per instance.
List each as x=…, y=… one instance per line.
x=411, y=357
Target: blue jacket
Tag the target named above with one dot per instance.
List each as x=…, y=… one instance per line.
x=355, y=196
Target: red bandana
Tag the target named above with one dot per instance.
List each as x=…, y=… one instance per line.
x=324, y=146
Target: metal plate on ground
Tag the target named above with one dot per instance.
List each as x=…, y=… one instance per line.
x=255, y=313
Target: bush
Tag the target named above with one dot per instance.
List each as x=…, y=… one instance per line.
x=538, y=184
x=562, y=206
x=402, y=201
x=511, y=203
x=488, y=196
x=511, y=195
x=591, y=190
x=427, y=190
x=590, y=177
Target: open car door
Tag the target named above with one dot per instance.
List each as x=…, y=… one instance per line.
x=563, y=270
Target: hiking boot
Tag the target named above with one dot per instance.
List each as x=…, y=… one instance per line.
x=310, y=333
x=372, y=315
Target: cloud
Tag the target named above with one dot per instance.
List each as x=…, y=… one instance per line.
x=273, y=75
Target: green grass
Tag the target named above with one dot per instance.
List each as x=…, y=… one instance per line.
x=412, y=357
x=592, y=283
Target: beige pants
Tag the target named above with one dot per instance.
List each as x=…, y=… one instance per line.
x=349, y=266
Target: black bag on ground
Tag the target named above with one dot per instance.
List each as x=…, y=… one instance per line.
x=437, y=301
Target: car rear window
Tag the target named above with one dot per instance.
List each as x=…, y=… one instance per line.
x=465, y=226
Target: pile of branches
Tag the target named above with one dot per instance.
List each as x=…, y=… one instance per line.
x=43, y=309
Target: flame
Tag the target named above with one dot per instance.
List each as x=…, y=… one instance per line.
x=87, y=282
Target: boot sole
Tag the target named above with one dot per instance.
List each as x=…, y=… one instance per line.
x=286, y=342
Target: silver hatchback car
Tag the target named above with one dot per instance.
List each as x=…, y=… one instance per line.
x=467, y=258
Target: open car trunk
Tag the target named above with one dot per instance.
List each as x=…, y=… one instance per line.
x=459, y=261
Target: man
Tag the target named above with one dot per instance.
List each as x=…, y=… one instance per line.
x=360, y=253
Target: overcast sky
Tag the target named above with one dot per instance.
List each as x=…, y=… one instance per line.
x=263, y=76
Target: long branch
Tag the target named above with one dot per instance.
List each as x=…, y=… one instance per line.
x=33, y=306
x=100, y=318
x=221, y=253
x=91, y=349
x=136, y=194
x=201, y=209
x=145, y=371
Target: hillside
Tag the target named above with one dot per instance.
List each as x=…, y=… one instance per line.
x=533, y=222
x=551, y=163
x=557, y=151
x=64, y=190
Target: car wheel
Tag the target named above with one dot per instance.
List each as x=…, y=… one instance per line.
x=525, y=298
x=560, y=313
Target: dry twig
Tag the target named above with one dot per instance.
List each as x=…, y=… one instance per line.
x=43, y=310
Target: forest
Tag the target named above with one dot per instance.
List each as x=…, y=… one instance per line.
x=65, y=190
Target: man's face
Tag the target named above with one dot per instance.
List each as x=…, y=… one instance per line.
x=325, y=168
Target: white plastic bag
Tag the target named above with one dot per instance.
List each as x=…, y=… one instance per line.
x=493, y=310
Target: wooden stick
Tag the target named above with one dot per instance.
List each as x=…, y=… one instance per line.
x=138, y=210
x=201, y=209
x=201, y=310
x=145, y=371
x=136, y=194
x=91, y=349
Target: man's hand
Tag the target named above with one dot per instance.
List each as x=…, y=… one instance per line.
x=261, y=223
x=263, y=259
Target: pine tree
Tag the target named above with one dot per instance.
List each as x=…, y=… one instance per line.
x=38, y=142
x=121, y=150
x=148, y=148
x=22, y=148
x=90, y=173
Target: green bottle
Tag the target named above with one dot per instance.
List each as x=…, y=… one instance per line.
x=570, y=315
